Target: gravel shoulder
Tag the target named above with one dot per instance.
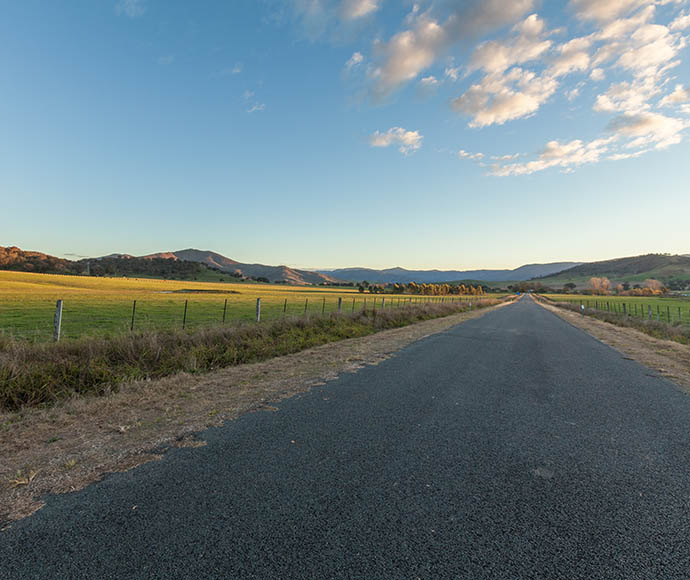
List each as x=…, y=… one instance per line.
x=67, y=447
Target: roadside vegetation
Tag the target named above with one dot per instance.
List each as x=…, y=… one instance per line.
x=42, y=373
x=609, y=309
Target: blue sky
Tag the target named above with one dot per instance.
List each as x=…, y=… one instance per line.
x=333, y=133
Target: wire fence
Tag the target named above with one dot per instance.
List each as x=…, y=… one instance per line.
x=39, y=321
x=669, y=313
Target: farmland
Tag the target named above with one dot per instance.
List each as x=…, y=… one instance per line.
x=673, y=309
x=104, y=306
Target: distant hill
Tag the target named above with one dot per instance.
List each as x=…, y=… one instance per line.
x=271, y=273
x=401, y=275
x=184, y=264
x=664, y=267
x=14, y=258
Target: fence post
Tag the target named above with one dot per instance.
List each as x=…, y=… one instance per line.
x=649, y=311
x=624, y=309
x=57, y=321
x=225, y=309
x=258, y=309
x=383, y=303
x=306, y=302
x=134, y=309
x=284, y=307
x=340, y=304
x=184, y=317
x=323, y=307
x=353, y=305
x=668, y=314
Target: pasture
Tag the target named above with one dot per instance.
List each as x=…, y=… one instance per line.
x=672, y=309
x=104, y=306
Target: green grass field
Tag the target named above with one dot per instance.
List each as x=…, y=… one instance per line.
x=668, y=309
x=103, y=306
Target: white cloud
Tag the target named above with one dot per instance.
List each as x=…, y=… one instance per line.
x=408, y=141
x=573, y=56
x=556, y=154
x=452, y=73
x=130, y=8
x=680, y=23
x=257, y=108
x=411, y=51
x=627, y=96
x=462, y=154
x=500, y=98
x=648, y=129
x=354, y=9
x=429, y=83
x=237, y=69
x=679, y=95
x=355, y=60
x=604, y=10
x=597, y=75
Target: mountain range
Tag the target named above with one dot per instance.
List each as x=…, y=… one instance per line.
x=401, y=275
x=192, y=264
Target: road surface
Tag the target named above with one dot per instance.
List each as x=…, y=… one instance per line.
x=510, y=446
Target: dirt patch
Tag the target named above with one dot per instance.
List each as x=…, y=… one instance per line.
x=76, y=442
x=669, y=358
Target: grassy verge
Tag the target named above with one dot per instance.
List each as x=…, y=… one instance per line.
x=41, y=374
x=675, y=331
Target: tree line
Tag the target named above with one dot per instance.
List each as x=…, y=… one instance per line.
x=422, y=289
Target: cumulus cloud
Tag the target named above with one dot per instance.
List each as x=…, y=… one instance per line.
x=409, y=52
x=648, y=129
x=556, y=154
x=462, y=154
x=354, y=9
x=572, y=56
x=681, y=22
x=504, y=97
x=408, y=141
x=627, y=96
x=130, y=8
x=604, y=10
x=597, y=75
x=679, y=95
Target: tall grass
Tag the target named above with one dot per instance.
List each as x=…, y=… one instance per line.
x=676, y=331
x=40, y=374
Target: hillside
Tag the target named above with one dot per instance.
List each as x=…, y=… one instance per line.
x=672, y=270
x=256, y=271
x=14, y=258
x=401, y=275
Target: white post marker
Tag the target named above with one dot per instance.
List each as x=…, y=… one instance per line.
x=57, y=321
x=258, y=309
x=582, y=308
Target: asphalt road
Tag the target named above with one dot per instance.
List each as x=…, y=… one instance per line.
x=511, y=446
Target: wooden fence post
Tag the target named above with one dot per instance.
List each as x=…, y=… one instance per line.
x=57, y=321
x=258, y=309
x=323, y=307
x=134, y=309
x=184, y=317
x=225, y=309
x=306, y=302
x=284, y=307
x=340, y=304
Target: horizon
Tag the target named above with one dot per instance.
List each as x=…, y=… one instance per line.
x=354, y=133
x=76, y=257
